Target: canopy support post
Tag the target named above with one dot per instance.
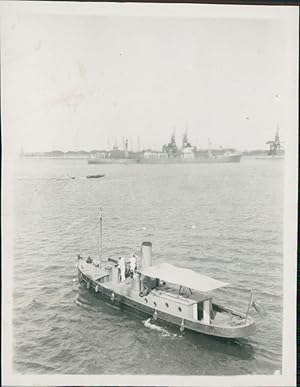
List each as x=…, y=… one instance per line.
x=179, y=291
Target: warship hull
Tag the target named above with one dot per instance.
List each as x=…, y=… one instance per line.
x=265, y=157
x=205, y=160
x=111, y=161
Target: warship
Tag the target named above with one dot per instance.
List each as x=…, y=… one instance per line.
x=275, y=152
x=170, y=154
x=275, y=147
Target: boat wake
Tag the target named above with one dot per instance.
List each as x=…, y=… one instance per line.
x=147, y=323
x=84, y=305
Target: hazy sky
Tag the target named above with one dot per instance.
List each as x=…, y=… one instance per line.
x=84, y=82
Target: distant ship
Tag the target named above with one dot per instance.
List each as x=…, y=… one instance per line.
x=275, y=151
x=170, y=154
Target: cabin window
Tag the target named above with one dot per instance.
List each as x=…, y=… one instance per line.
x=200, y=311
x=167, y=305
x=180, y=310
x=146, y=300
x=154, y=303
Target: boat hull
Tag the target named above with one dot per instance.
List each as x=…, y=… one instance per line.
x=125, y=303
x=94, y=176
x=205, y=160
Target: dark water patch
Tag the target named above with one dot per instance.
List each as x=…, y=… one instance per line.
x=34, y=304
x=61, y=355
x=32, y=367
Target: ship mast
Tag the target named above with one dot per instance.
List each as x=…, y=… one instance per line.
x=100, y=237
x=209, y=147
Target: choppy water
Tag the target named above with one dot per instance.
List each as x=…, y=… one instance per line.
x=224, y=220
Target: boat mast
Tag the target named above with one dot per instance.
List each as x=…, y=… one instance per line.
x=100, y=237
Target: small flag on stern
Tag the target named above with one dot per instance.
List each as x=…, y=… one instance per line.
x=259, y=309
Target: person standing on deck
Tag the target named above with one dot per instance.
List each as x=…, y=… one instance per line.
x=132, y=261
x=121, y=267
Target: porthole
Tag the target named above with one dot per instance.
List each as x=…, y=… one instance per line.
x=180, y=310
x=146, y=300
x=154, y=303
x=167, y=305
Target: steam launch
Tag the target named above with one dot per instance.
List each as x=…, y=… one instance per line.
x=162, y=291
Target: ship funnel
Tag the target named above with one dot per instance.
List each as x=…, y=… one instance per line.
x=146, y=251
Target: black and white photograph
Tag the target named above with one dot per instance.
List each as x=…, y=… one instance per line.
x=149, y=194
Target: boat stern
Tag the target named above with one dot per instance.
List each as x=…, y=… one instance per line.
x=242, y=329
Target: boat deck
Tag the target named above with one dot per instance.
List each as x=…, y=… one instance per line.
x=227, y=319
x=129, y=288
x=92, y=271
x=172, y=295
x=221, y=318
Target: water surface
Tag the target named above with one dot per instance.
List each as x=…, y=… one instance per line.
x=223, y=220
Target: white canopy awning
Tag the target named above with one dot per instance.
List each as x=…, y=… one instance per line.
x=183, y=277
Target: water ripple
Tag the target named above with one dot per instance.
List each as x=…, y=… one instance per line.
x=222, y=220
